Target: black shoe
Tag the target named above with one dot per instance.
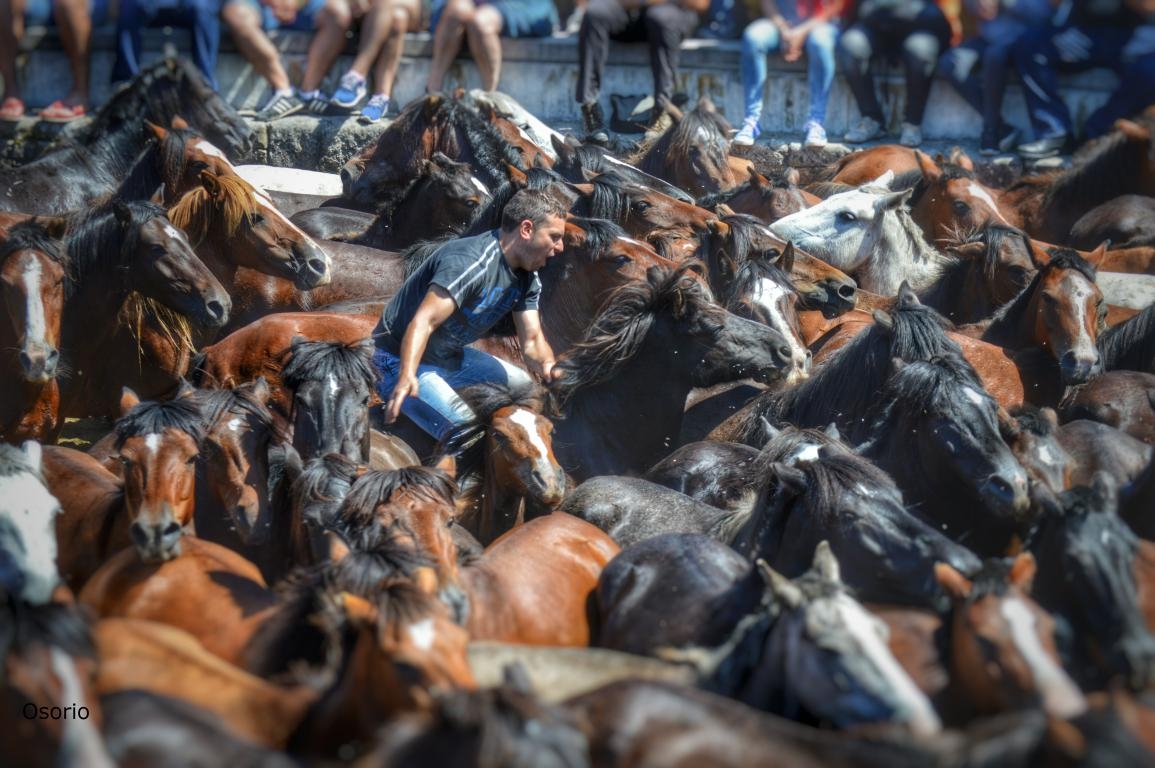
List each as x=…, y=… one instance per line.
x=996, y=144
x=594, y=121
x=1048, y=146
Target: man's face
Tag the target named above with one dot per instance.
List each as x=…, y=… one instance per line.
x=546, y=240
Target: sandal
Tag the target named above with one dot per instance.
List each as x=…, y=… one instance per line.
x=59, y=112
x=12, y=109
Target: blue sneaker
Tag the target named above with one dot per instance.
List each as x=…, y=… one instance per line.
x=376, y=109
x=350, y=92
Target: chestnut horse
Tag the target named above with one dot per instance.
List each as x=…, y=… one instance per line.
x=504, y=457
x=33, y=266
x=693, y=153
x=552, y=560
x=766, y=199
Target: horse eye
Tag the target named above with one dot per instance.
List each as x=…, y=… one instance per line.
x=471, y=203
x=125, y=461
x=641, y=206
x=961, y=208
x=258, y=219
x=199, y=165
x=451, y=522
x=622, y=260
x=846, y=217
x=193, y=459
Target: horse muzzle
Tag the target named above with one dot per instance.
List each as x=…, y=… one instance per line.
x=156, y=542
x=39, y=363
x=1079, y=369
x=314, y=266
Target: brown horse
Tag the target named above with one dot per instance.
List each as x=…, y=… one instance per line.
x=532, y=156
x=32, y=278
x=504, y=459
x=1119, y=163
x=637, y=208
x=693, y=154
x=865, y=165
x=172, y=163
x=948, y=199
x=767, y=199
x=553, y=560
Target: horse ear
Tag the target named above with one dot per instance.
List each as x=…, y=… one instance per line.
x=897, y=199
x=789, y=478
x=1008, y=425
x=930, y=170
x=446, y=463
x=1023, y=572
x=786, y=260
x=359, y=610
x=882, y=319
x=1095, y=257
x=1040, y=257
x=425, y=579
x=260, y=390
x=757, y=180
x=897, y=364
x=211, y=183
x=961, y=159
x=791, y=176
x=517, y=177
x=179, y=122
x=514, y=676
x=128, y=400
x=953, y=583
x=159, y=132
x=54, y=226
x=561, y=147
x=907, y=298
x=826, y=563
x=33, y=454
x=832, y=432
x=882, y=181
x=769, y=429
x=780, y=587
x=122, y=212
x=158, y=196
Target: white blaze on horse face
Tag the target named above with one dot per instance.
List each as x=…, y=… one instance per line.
x=976, y=190
x=81, y=744
x=173, y=232
x=974, y=396
x=1061, y=697
x=35, y=325
x=152, y=442
x=234, y=425
x=528, y=423
x=421, y=634
x=770, y=295
x=480, y=186
x=1081, y=291
x=30, y=536
x=206, y=148
x=912, y=705
x=334, y=385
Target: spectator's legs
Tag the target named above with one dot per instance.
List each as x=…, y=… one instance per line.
x=1134, y=94
x=484, y=33
x=855, y=49
x=11, y=30
x=75, y=27
x=758, y=40
x=333, y=21
x=130, y=19
x=996, y=61
x=447, y=40
x=961, y=67
x=923, y=44
x=602, y=19
x=666, y=25
x=243, y=21
x=819, y=48
x=1036, y=59
x=405, y=16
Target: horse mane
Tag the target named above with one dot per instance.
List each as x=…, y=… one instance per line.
x=153, y=416
x=418, y=253
x=992, y=235
x=825, y=189
x=215, y=403
x=600, y=234
x=356, y=519
x=1131, y=344
x=608, y=200
x=617, y=334
x=319, y=360
x=702, y=128
x=95, y=237
x=30, y=235
x=744, y=229
x=851, y=380
x=315, y=477
x=161, y=162
x=993, y=578
x=58, y=625
x=920, y=386
x=465, y=441
x=198, y=209
x=828, y=478
x=488, y=216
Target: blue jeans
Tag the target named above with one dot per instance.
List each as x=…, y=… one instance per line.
x=437, y=409
x=978, y=70
x=203, y=17
x=762, y=38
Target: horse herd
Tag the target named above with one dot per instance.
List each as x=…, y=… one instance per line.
x=847, y=465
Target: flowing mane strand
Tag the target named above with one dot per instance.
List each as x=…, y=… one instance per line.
x=356, y=520
x=31, y=235
x=198, y=210
x=320, y=360
x=464, y=442
x=155, y=416
x=96, y=238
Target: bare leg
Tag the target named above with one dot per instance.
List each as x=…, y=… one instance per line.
x=244, y=22
x=75, y=27
x=11, y=31
x=484, y=31
x=332, y=23
x=375, y=28
x=447, y=40
x=406, y=18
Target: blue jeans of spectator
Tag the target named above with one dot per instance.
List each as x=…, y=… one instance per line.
x=1039, y=63
x=437, y=409
x=978, y=70
x=203, y=17
x=761, y=38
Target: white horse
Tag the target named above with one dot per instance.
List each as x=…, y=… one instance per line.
x=868, y=234
x=27, y=526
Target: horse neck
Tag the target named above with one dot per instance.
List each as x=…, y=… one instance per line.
x=566, y=309
x=500, y=506
x=958, y=293
x=1013, y=327
x=902, y=253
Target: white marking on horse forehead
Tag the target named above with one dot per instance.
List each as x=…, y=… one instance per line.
x=913, y=706
x=172, y=231
x=36, y=326
x=81, y=743
x=528, y=422
x=616, y=161
x=769, y=294
x=334, y=385
x=212, y=151
x=422, y=634
x=977, y=190
x=1061, y=697
x=234, y=424
x=1046, y=455
x=807, y=452
x=480, y=186
x=974, y=396
x=152, y=441
x=701, y=134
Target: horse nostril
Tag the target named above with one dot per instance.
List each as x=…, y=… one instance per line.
x=317, y=266
x=847, y=291
x=217, y=310
x=785, y=352
x=170, y=535
x=139, y=535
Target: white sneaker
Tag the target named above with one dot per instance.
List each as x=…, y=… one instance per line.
x=750, y=131
x=865, y=129
x=911, y=135
x=815, y=135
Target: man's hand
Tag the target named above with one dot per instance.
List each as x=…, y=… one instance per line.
x=406, y=387
x=792, y=42
x=1073, y=45
x=285, y=11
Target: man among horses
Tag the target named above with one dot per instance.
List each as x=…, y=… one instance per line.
x=454, y=298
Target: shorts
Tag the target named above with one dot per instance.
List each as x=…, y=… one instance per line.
x=519, y=18
x=38, y=13
x=306, y=20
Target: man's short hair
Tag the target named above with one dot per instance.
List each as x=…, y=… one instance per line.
x=537, y=205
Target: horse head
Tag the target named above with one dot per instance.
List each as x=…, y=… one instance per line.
x=27, y=527
x=333, y=385
x=33, y=267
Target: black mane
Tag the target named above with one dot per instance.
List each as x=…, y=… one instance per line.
x=153, y=416
x=318, y=360
x=31, y=235
x=465, y=441
x=1130, y=345
x=356, y=519
x=96, y=238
